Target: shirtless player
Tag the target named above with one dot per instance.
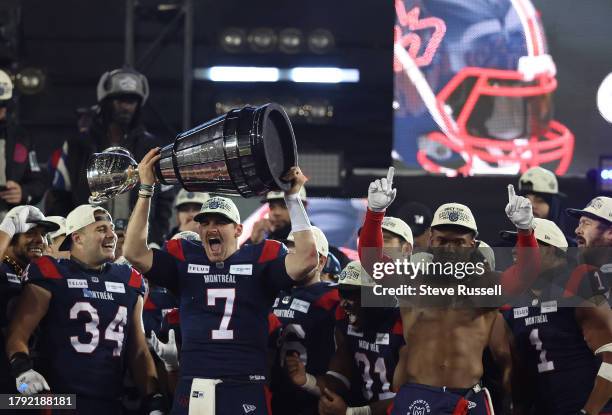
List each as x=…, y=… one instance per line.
x=442, y=363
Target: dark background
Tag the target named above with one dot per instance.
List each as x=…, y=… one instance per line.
x=74, y=42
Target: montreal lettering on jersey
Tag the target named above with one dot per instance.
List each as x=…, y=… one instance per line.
x=101, y=295
x=536, y=320
x=219, y=278
x=365, y=345
x=284, y=313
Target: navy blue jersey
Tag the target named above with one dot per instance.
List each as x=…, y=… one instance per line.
x=86, y=328
x=375, y=351
x=551, y=344
x=10, y=287
x=223, y=306
x=306, y=317
x=158, y=303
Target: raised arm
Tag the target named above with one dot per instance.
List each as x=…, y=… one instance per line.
x=135, y=247
x=522, y=275
x=304, y=258
x=380, y=196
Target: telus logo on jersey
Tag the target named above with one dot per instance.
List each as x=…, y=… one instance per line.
x=198, y=269
x=76, y=283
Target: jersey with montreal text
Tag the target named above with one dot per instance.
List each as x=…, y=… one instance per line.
x=551, y=343
x=10, y=288
x=306, y=320
x=375, y=352
x=223, y=306
x=87, y=326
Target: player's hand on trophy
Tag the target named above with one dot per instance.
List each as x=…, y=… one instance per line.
x=31, y=382
x=146, y=167
x=295, y=369
x=381, y=192
x=260, y=228
x=331, y=403
x=519, y=210
x=18, y=219
x=297, y=179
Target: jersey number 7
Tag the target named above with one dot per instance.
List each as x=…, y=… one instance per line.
x=222, y=333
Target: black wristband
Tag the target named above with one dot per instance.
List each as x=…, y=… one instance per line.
x=20, y=362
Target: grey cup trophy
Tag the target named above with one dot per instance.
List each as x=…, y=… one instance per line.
x=242, y=153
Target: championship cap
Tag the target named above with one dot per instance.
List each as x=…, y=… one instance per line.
x=488, y=253
x=281, y=195
x=320, y=240
x=545, y=231
x=599, y=208
x=221, y=206
x=6, y=86
x=353, y=275
x=77, y=219
x=60, y=221
x=539, y=180
x=183, y=197
x=455, y=214
x=398, y=227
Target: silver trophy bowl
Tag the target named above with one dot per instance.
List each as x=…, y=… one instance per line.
x=245, y=152
x=110, y=173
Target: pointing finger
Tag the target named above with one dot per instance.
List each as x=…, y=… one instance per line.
x=511, y=193
x=390, y=174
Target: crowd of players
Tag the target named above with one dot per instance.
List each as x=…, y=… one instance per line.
x=205, y=326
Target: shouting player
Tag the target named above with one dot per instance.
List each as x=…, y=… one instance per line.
x=225, y=294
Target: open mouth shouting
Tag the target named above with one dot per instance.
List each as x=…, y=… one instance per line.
x=215, y=244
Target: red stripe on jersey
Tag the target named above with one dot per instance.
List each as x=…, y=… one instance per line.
x=47, y=268
x=571, y=288
x=398, y=328
x=173, y=316
x=505, y=307
x=175, y=249
x=270, y=251
x=268, y=394
x=273, y=323
x=149, y=305
x=340, y=314
x=135, y=279
x=389, y=409
x=328, y=300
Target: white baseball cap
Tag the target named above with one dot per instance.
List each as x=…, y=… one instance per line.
x=598, y=208
x=399, y=228
x=78, y=218
x=6, y=86
x=545, y=231
x=454, y=214
x=539, y=180
x=354, y=275
x=184, y=197
x=59, y=221
x=487, y=252
x=320, y=240
x=188, y=236
x=219, y=205
x=281, y=195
